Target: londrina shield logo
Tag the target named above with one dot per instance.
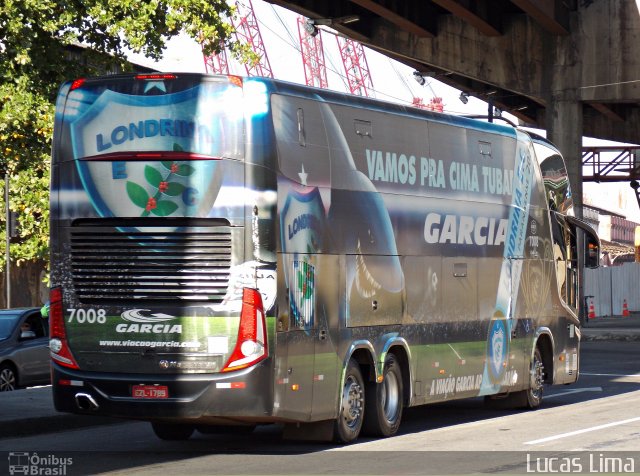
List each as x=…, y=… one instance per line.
x=118, y=123
x=497, y=350
x=302, y=294
x=303, y=222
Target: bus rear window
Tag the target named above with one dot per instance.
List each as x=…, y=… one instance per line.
x=195, y=115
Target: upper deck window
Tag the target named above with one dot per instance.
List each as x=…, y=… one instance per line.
x=121, y=115
x=554, y=174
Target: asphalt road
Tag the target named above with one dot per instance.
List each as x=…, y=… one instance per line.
x=597, y=415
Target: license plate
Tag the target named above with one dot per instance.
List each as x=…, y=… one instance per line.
x=150, y=391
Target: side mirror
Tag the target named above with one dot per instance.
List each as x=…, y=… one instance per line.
x=591, y=241
x=592, y=251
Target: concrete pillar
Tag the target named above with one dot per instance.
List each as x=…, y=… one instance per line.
x=564, y=129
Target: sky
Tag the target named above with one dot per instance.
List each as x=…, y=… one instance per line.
x=392, y=81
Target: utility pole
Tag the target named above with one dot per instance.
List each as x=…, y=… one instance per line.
x=7, y=276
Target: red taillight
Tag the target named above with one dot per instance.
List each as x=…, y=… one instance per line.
x=77, y=83
x=56, y=317
x=237, y=80
x=155, y=76
x=251, y=346
x=58, y=344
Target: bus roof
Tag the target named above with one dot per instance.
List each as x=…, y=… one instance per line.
x=336, y=97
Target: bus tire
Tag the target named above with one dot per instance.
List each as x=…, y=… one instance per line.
x=384, y=401
x=172, y=431
x=352, y=404
x=536, y=381
x=530, y=398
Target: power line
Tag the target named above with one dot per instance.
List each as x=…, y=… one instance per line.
x=275, y=12
x=619, y=83
x=400, y=77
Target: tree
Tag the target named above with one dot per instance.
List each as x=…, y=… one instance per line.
x=35, y=37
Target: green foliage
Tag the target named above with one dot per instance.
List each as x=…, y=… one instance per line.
x=37, y=38
x=29, y=198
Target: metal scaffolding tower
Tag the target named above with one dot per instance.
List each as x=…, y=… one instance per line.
x=247, y=30
x=312, y=51
x=356, y=68
x=217, y=63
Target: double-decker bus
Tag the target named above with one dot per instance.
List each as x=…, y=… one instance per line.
x=228, y=252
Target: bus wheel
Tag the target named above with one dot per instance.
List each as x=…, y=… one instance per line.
x=536, y=383
x=349, y=422
x=530, y=398
x=172, y=431
x=384, y=401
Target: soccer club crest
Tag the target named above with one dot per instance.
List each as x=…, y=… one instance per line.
x=497, y=350
x=302, y=223
x=116, y=125
x=302, y=294
x=152, y=189
x=302, y=231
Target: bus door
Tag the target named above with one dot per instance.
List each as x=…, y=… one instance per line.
x=311, y=362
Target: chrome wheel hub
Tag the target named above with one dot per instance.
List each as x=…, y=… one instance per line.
x=352, y=402
x=537, y=378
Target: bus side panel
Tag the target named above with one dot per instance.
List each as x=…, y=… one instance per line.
x=436, y=199
x=449, y=196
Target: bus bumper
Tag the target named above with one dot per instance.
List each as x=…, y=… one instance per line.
x=245, y=395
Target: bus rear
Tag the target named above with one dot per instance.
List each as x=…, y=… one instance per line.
x=162, y=259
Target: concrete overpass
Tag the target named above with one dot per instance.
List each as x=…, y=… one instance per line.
x=571, y=67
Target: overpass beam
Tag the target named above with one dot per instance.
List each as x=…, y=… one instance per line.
x=424, y=25
x=606, y=111
x=553, y=15
x=483, y=15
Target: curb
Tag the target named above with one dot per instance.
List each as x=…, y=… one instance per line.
x=611, y=336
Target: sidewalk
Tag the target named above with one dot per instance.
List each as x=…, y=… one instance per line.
x=613, y=328
x=30, y=411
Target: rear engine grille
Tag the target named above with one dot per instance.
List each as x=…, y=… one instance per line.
x=175, y=262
